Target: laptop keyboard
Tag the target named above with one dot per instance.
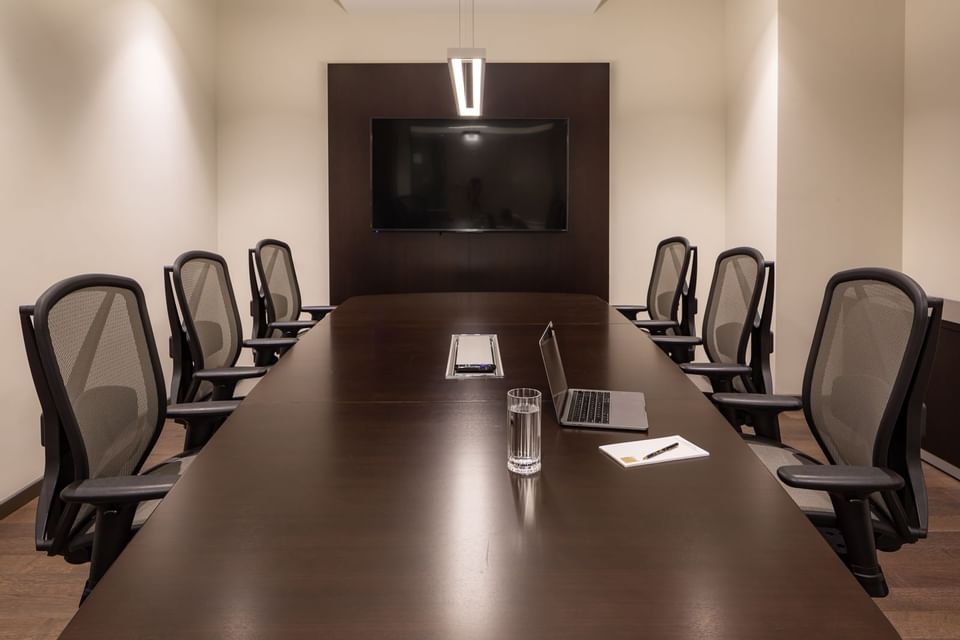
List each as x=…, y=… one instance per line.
x=591, y=407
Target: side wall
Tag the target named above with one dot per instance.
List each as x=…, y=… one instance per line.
x=751, y=144
x=840, y=177
x=931, y=168
x=107, y=164
x=753, y=64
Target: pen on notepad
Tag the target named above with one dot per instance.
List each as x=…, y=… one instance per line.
x=654, y=454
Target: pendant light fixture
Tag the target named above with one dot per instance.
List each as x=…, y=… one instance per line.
x=467, y=68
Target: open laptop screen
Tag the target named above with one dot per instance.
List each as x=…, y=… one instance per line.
x=555, y=375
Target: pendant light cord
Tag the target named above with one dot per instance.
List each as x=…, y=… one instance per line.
x=473, y=22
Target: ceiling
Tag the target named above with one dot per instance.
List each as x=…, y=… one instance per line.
x=581, y=7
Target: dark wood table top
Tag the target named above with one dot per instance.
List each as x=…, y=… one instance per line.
x=356, y=493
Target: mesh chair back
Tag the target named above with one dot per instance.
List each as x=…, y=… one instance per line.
x=864, y=361
x=668, y=278
x=732, y=305
x=93, y=353
x=209, y=310
x=279, y=280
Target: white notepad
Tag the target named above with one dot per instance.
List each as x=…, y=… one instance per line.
x=630, y=454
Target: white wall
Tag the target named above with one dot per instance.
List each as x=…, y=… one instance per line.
x=667, y=117
x=840, y=156
x=107, y=153
x=752, y=57
x=136, y=129
x=931, y=171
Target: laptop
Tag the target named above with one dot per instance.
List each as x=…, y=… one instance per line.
x=589, y=408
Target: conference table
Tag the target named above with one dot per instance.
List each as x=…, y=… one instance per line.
x=358, y=493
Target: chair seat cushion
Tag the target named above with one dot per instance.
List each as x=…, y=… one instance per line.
x=773, y=456
x=81, y=545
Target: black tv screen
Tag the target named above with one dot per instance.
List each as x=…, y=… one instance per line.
x=469, y=175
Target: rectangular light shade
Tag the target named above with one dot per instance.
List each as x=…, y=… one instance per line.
x=466, y=74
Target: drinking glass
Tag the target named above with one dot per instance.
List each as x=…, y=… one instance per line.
x=523, y=432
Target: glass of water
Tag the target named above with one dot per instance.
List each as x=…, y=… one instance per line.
x=523, y=432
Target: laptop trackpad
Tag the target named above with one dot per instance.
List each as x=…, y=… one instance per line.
x=628, y=409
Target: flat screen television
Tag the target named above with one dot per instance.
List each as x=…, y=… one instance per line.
x=469, y=175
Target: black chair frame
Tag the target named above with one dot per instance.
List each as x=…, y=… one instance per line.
x=683, y=307
x=188, y=361
x=897, y=475
x=261, y=304
x=757, y=336
x=66, y=484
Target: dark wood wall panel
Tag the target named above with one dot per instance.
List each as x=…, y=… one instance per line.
x=365, y=262
x=942, y=437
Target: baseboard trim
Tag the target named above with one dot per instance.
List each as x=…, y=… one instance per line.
x=20, y=498
x=940, y=463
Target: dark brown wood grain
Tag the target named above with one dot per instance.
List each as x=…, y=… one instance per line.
x=942, y=435
x=365, y=262
x=38, y=594
x=356, y=493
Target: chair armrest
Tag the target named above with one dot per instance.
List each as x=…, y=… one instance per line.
x=202, y=419
x=318, y=312
x=758, y=402
x=293, y=325
x=267, y=350
x=712, y=369
x=679, y=348
x=119, y=489
x=189, y=410
x=269, y=343
x=720, y=374
x=846, y=481
x=657, y=326
x=763, y=410
x=677, y=341
x=230, y=374
x=850, y=488
x=630, y=311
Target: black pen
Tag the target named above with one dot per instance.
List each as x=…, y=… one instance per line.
x=659, y=451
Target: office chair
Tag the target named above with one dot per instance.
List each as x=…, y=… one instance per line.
x=95, y=367
x=276, y=305
x=733, y=327
x=671, y=300
x=863, y=397
x=205, y=332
